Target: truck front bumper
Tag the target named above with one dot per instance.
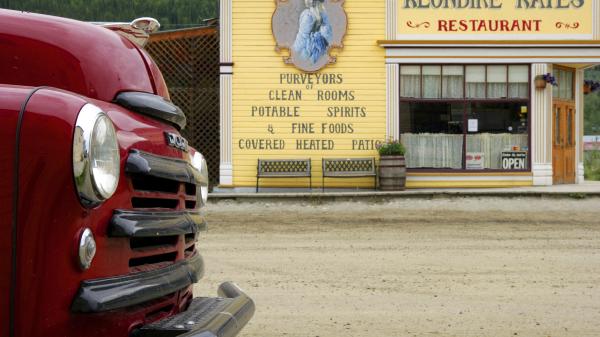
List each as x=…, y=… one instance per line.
x=222, y=316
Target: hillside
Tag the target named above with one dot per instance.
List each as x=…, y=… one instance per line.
x=171, y=14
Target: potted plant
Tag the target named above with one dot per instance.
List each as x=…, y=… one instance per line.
x=392, y=166
x=542, y=80
x=590, y=86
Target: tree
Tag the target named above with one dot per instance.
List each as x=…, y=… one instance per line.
x=592, y=105
x=172, y=14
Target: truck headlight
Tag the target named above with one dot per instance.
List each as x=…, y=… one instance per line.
x=96, y=158
x=200, y=165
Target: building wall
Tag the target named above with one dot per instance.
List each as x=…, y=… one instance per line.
x=254, y=75
x=257, y=81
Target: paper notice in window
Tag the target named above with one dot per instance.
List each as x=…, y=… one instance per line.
x=473, y=125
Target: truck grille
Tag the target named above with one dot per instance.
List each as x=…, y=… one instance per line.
x=159, y=193
x=163, y=198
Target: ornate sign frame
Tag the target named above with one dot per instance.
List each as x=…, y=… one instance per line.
x=309, y=30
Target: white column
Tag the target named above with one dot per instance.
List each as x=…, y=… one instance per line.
x=226, y=165
x=392, y=108
x=579, y=113
x=391, y=19
x=541, y=128
x=596, y=19
x=392, y=115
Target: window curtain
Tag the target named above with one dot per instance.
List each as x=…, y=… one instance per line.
x=410, y=81
x=496, y=81
x=518, y=81
x=475, y=81
x=428, y=150
x=432, y=81
x=452, y=81
x=493, y=144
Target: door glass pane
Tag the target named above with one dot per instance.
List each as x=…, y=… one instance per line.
x=566, y=90
x=558, y=76
x=475, y=81
x=410, y=81
x=432, y=84
x=518, y=81
x=496, y=81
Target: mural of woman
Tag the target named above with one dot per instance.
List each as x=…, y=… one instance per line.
x=315, y=34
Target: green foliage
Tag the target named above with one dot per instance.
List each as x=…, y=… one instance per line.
x=592, y=165
x=592, y=105
x=172, y=14
x=391, y=148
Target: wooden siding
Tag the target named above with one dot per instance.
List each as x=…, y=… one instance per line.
x=257, y=67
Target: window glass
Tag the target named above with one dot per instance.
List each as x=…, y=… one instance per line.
x=432, y=133
x=410, y=81
x=558, y=76
x=496, y=81
x=566, y=85
x=518, y=81
x=453, y=81
x=501, y=132
x=478, y=121
x=475, y=81
x=432, y=81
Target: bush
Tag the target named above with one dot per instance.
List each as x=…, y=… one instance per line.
x=592, y=165
x=391, y=148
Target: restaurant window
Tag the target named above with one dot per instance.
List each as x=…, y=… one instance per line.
x=465, y=117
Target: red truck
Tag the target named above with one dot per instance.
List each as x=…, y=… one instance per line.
x=100, y=194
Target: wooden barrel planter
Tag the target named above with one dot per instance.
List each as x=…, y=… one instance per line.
x=392, y=173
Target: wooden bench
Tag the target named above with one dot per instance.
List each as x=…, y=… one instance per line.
x=283, y=168
x=349, y=168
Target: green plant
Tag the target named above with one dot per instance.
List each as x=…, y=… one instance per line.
x=592, y=165
x=391, y=148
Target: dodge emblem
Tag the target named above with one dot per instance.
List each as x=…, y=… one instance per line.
x=176, y=141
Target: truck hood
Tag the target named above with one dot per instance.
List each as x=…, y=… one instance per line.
x=80, y=57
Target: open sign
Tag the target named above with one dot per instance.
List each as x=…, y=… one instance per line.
x=514, y=160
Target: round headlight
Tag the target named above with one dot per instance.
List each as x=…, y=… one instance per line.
x=200, y=165
x=96, y=156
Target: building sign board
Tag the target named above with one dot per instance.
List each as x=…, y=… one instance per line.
x=514, y=160
x=475, y=160
x=495, y=19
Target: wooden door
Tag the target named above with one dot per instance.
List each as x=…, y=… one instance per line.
x=563, y=142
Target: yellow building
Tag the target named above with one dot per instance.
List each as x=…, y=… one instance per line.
x=465, y=85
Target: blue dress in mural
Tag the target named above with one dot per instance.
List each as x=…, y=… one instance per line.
x=314, y=35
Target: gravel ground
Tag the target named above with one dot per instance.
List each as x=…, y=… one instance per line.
x=442, y=267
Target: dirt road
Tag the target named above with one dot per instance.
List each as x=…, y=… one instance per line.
x=460, y=267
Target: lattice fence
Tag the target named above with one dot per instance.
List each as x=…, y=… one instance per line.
x=189, y=62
